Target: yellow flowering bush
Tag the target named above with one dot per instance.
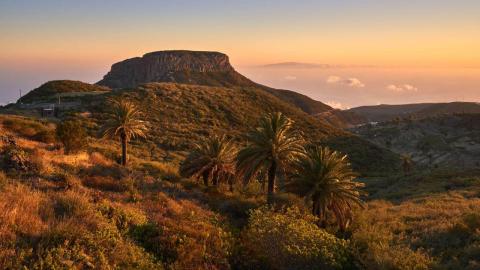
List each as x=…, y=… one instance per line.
x=289, y=240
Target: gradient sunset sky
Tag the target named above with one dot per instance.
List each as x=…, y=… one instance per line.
x=44, y=40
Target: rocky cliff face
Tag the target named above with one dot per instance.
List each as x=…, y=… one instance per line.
x=166, y=66
x=199, y=68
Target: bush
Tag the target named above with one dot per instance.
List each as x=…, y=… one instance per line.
x=375, y=246
x=15, y=158
x=184, y=236
x=70, y=204
x=46, y=136
x=86, y=240
x=289, y=240
x=72, y=135
x=124, y=218
x=37, y=163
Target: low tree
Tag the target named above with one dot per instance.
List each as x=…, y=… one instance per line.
x=273, y=146
x=212, y=159
x=72, y=135
x=124, y=122
x=325, y=178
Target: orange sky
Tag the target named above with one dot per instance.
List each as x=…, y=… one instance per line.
x=41, y=40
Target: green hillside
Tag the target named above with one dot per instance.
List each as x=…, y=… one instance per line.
x=52, y=88
x=380, y=113
x=181, y=114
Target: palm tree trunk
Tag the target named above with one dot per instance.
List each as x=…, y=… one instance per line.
x=215, y=179
x=314, y=207
x=205, y=178
x=230, y=183
x=271, y=182
x=123, y=138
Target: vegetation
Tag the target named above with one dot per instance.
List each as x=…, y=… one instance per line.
x=83, y=210
x=124, y=122
x=213, y=160
x=180, y=116
x=289, y=240
x=72, y=135
x=325, y=178
x=50, y=89
x=273, y=148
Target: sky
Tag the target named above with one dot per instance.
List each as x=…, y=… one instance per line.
x=377, y=51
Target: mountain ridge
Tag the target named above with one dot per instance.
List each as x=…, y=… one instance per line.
x=208, y=68
x=385, y=112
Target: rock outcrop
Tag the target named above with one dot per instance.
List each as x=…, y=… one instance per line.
x=199, y=68
x=192, y=67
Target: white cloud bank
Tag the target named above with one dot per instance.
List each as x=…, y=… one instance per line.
x=352, y=82
x=402, y=88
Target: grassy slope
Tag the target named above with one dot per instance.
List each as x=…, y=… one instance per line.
x=381, y=113
x=444, y=140
x=52, y=88
x=235, y=79
x=85, y=204
x=182, y=114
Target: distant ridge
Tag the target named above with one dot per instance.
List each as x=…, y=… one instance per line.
x=383, y=112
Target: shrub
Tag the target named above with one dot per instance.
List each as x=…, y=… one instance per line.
x=289, y=240
x=285, y=200
x=37, y=163
x=184, y=236
x=70, y=204
x=72, y=135
x=123, y=217
x=15, y=158
x=46, y=136
x=89, y=242
x=376, y=247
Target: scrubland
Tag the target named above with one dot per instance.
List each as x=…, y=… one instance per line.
x=84, y=211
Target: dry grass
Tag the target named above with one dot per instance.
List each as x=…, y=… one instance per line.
x=84, y=210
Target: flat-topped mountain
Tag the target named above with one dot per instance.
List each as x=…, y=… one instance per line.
x=192, y=67
x=189, y=95
x=198, y=68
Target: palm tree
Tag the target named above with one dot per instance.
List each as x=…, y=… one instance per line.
x=325, y=178
x=211, y=159
x=273, y=146
x=124, y=121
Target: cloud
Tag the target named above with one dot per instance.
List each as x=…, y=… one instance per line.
x=402, y=88
x=333, y=79
x=290, y=78
x=352, y=82
x=337, y=105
